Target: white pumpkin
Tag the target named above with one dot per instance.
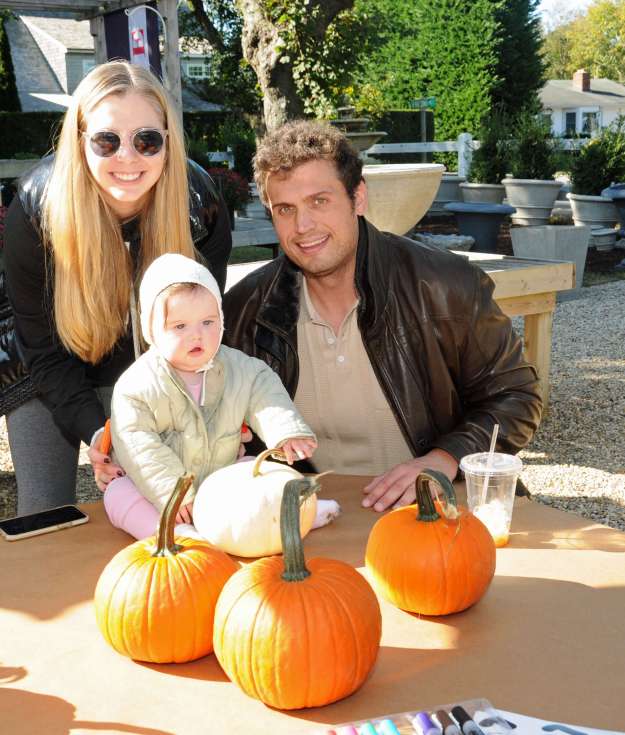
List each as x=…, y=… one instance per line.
x=237, y=508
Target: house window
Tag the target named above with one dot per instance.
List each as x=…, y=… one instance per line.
x=570, y=124
x=590, y=122
x=196, y=69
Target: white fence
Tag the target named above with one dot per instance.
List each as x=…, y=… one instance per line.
x=464, y=146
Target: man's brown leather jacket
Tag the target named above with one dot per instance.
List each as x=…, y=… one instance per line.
x=446, y=357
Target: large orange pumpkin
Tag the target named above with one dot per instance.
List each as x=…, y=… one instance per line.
x=294, y=634
x=155, y=600
x=431, y=562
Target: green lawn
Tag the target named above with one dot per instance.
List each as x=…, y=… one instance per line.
x=249, y=254
x=595, y=278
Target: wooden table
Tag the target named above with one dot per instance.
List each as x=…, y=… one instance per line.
x=547, y=640
x=527, y=287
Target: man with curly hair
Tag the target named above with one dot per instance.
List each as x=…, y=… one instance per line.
x=394, y=352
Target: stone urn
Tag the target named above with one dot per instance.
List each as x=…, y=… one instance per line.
x=533, y=199
x=481, y=221
x=554, y=242
x=448, y=191
x=400, y=194
x=594, y=211
x=475, y=192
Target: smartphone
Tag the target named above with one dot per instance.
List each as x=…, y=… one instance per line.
x=45, y=521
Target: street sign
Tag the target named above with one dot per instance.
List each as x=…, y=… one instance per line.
x=422, y=103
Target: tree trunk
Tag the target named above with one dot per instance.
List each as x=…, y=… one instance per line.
x=259, y=39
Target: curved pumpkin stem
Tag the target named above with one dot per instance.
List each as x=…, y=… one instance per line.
x=275, y=453
x=427, y=509
x=295, y=492
x=165, y=545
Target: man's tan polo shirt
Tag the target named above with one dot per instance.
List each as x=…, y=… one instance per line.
x=340, y=398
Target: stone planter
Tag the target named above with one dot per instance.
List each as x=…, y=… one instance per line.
x=616, y=193
x=448, y=191
x=554, y=242
x=533, y=199
x=400, y=193
x=593, y=211
x=481, y=221
x=475, y=192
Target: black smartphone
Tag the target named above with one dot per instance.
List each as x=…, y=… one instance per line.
x=45, y=521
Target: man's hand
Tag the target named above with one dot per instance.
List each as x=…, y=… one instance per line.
x=396, y=487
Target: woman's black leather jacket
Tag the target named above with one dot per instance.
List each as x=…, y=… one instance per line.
x=63, y=381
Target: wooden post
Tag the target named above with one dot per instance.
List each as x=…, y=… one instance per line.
x=171, y=62
x=465, y=153
x=96, y=27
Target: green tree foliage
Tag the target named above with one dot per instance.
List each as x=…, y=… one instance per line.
x=446, y=49
x=594, y=41
x=491, y=161
x=520, y=67
x=231, y=81
x=9, y=101
x=601, y=161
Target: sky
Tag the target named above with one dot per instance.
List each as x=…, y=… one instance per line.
x=554, y=12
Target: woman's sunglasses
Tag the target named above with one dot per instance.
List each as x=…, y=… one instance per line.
x=146, y=141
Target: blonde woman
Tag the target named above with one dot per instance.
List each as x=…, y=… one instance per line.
x=83, y=228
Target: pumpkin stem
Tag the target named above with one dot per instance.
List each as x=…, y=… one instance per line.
x=275, y=453
x=427, y=509
x=165, y=545
x=295, y=491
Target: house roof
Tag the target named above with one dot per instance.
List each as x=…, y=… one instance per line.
x=603, y=93
x=74, y=35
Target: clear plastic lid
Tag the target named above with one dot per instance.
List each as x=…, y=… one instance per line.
x=502, y=464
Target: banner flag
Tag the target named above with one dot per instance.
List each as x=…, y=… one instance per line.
x=134, y=37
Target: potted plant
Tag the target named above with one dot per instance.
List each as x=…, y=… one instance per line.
x=532, y=189
x=490, y=161
x=600, y=163
x=234, y=189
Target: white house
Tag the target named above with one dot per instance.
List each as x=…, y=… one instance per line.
x=51, y=55
x=581, y=105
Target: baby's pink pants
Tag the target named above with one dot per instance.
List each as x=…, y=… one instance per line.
x=129, y=510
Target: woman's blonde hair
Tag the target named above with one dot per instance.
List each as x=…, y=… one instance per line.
x=93, y=271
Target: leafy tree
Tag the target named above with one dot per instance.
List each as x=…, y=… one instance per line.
x=594, y=41
x=231, y=80
x=446, y=49
x=9, y=100
x=520, y=67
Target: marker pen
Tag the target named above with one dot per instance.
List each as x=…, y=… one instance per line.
x=347, y=730
x=424, y=725
x=467, y=725
x=448, y=726
x=368, y=729
x=388, y=727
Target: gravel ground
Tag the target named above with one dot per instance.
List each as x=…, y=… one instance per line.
x=576, y=461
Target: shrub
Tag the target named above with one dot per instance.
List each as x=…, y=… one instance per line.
x=601, y=161
x=491, y=161
x=233, y=187
x=533, y=152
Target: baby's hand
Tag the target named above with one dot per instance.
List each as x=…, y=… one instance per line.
x=185, y=514
x=295, y=449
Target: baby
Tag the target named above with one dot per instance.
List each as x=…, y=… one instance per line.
x=180, y=407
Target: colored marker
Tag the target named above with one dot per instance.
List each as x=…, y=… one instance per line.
x=347, y=730
x=467, y=725
x=424, y=725
x=448, y=726
x=387, y=727
x=368, y=729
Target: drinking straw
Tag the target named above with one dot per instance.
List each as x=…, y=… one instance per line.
x=489, y=462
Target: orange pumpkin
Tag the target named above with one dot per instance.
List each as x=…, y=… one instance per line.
x=431, y=562
x=155, y=600
x=294, y=634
